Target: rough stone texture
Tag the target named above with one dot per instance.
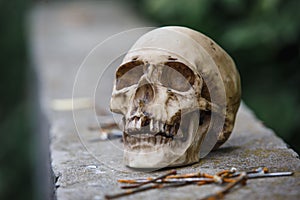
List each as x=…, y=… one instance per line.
x=62, y=34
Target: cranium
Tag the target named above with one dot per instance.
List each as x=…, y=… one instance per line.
x=175, y=88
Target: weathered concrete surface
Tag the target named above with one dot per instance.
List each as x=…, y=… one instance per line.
x=61, y=36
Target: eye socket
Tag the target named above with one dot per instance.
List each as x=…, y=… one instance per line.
x=177, y=76
x=129, y=74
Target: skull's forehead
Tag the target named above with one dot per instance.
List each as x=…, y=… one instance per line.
x=160, y=44
x=155, y=57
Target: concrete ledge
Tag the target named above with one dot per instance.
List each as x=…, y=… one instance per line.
x=62, y=34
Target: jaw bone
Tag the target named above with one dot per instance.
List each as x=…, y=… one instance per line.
x=149, y=150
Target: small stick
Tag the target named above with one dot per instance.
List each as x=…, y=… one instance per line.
x=145, y=188
x=262, y=173
x=175, y=180
x=223, y=173
x=227, y=173
x=202, y=183
x=178, y=176
x=186, y=180
x=219, y=195
x=267, y=175
x=128, y=181
x=228, y=180
x=173, y=172
x=254, y=171
x=191, y=175
x=129, y=192
x=134, y=181
x=259, y=170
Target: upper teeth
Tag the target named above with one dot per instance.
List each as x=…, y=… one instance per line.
x=155, y=126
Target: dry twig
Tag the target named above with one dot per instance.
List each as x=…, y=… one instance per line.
x=219, y=195
x=230, y=178
x=173, y=172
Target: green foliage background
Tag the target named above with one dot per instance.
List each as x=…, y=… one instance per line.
x=16, y=161
x=263, y=37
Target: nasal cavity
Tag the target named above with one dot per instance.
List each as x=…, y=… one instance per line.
x=144, y=94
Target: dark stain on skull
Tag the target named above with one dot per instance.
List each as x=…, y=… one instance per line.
x=145, y=121
x=205, y=92
x=176, y=117
x=144, y=94
x=212, y=45
x=134, y=58
x=171, y=99
x=204, y=115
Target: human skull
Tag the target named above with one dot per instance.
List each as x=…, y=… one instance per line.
x=178, y=92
